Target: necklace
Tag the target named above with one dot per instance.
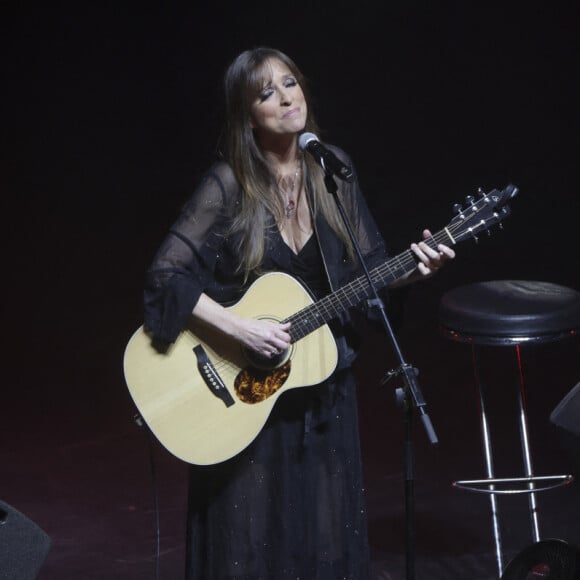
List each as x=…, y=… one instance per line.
x=290, y=206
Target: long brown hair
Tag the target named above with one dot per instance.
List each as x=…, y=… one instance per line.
x=244, y=79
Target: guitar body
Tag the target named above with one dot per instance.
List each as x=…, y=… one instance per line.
x=175, y=397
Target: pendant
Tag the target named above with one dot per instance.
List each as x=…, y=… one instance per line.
x=290, y=206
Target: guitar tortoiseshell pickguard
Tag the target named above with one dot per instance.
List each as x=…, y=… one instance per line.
x=254, y=385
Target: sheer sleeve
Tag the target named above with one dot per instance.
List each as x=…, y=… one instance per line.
x=185, y=264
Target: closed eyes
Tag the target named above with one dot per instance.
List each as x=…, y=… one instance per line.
x=269, y=91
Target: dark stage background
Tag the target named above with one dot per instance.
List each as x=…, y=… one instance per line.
x=111, y=113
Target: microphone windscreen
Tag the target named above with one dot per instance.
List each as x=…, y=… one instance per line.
x=306, y=138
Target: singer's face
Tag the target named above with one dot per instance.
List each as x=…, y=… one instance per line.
x=280, y=108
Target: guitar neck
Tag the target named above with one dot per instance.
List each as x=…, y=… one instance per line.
x=334, y=304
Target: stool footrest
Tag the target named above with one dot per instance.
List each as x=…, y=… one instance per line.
x=487, y=485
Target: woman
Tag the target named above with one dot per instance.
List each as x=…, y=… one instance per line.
x=291, y=504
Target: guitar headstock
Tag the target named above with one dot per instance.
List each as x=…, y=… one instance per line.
x=477, y=216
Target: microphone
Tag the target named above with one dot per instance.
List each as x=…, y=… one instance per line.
x=324, y=156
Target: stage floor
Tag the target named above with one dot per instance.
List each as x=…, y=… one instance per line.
x=75, y=462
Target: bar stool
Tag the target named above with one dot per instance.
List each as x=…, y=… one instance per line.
x=509, y=313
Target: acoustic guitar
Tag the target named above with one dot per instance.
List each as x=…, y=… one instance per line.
x=207, y=398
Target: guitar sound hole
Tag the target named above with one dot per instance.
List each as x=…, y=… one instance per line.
x=264, y=362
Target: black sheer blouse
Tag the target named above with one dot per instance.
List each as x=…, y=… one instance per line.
x=200, y=256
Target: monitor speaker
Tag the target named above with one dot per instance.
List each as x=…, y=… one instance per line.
x=566, y=418
x=23, y=545
x=545, y=560
x=566, y=415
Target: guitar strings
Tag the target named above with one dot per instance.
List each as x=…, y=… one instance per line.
x=317, y=314
x=314, y=315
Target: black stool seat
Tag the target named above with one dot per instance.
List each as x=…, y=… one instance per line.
x=510, y=311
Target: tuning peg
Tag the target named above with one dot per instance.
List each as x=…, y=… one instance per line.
x=480, y=192
x=457, y=208
x=469, y=199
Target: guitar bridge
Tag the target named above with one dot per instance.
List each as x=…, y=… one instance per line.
x=211, y=377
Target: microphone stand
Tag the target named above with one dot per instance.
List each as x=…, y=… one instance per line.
x=409, y=397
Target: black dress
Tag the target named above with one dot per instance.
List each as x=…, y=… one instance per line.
x=291, y=505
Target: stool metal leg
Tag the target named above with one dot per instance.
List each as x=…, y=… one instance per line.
x=527, y=457
x=497, y=486
x=488, y=454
